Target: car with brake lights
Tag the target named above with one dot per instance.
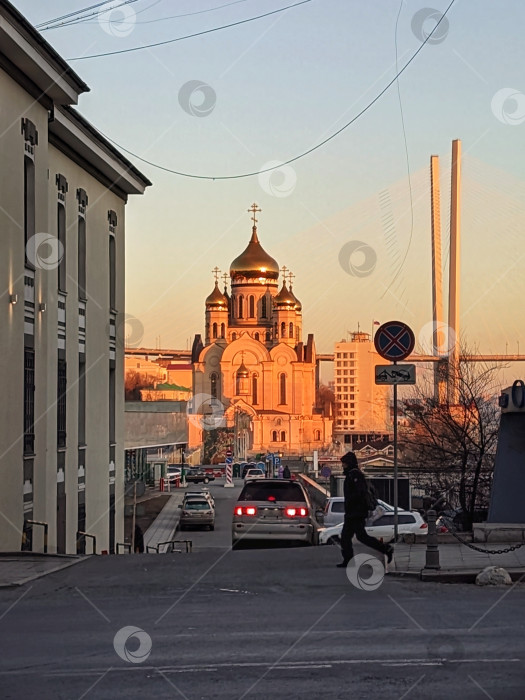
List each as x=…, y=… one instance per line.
x=273, y=509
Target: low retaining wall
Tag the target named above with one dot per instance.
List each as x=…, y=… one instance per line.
x=498, y=532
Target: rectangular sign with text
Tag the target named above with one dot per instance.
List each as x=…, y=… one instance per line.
x=395, y=374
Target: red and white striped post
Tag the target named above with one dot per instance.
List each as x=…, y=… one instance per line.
x=229, y=470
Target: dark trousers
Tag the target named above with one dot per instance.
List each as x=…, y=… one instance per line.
x=356, y=526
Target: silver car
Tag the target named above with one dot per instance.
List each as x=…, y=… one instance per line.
x=273, y=509
x=197, y=512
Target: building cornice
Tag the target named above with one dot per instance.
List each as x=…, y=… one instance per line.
x=24, y=47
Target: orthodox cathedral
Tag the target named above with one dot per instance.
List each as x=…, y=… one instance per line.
x=255, y=363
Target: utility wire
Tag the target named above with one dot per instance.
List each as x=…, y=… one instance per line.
x=78, y=12
x=304, y=153
x=407, y=159
x=85, y=20
x=189, y=36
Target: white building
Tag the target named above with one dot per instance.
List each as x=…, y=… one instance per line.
x=62, y=199
x=362, y=407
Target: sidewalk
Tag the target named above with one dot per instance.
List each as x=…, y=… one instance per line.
x=163, y=527
x=457, y=561
x=18, y=568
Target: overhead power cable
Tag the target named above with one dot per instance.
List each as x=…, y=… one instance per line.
x=304, y=153
x=85, y=20
x=189, y=36
x=79, y=12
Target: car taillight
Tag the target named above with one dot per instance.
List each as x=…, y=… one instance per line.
x=423, y=526
x=296, y=512
x=246, y=510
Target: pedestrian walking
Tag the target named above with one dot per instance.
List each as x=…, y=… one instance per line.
x=280, y=471
x=286, y=472
x=139, y=540
x=357, y=504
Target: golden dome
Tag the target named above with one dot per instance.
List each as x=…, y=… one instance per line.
x=285, y=297
x=254, y=261
x=217, y=298
x=243, y=370
x=298, y=305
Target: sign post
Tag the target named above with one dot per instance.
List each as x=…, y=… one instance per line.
x=228, y=483
x=395, y=341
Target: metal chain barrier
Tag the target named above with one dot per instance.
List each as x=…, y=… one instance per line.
x=480, y=549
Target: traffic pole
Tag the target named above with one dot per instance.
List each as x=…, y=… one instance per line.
x=229, y=476
x=396, y=517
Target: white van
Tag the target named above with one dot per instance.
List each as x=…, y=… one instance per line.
x=334, y=510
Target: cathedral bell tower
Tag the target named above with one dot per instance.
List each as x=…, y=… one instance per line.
x=216, y=313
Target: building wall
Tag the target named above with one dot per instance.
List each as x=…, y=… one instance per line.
x=41, y=479
x=361, y=405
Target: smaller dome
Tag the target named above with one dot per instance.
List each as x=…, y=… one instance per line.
x=285, y=297
x=298, y=305
x=217, y=298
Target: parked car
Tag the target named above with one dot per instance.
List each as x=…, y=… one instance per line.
x=173, y=472
x=245, y=466
x=197, y=512
x=383, y=528
x=197, y=475
x=273, y=509
x=254, y=473
x=200, y=494
x=334, y=510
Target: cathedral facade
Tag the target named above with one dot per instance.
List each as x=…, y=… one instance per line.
x=254, y=364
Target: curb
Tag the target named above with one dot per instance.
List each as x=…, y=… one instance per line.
x=452, y=575
x=33, y=577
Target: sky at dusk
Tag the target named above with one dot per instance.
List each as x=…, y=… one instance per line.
x=346, y=219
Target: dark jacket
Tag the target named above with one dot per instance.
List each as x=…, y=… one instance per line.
x=286, y=472
x=356, y=494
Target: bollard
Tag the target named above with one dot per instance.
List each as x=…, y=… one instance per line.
x=432, y=552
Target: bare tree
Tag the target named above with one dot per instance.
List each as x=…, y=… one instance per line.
x=450, y=448
x=134, y=382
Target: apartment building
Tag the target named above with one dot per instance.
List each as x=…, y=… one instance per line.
x=361, y=407
x=62, y=208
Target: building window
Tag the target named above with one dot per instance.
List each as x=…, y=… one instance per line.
x=283, y=330
x=290, y=331
x=264, y=304
x=256, y=336
x=61, y=235
x=223, y=330
x=234, y=336
x=274, y=436
x=213, y=385
x=283, y=436
x=29, y=402
x=251, y=310
x=241, y=305
x=81, y=402
x=317, y=435
x=112, y=272
x=29, y=206
x=214, y=332
x=82, y=258
x=282, y=389
x=61, y=403
x=112, y=406
x=255, y=398
x=268, y=337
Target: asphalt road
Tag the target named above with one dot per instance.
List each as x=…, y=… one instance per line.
x=258, y=624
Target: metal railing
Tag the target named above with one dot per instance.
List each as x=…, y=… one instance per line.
x=170, y=549
x=82, y=535
x=124, y=545
x=46, y=529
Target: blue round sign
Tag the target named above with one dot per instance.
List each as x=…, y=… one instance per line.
x=394, y=340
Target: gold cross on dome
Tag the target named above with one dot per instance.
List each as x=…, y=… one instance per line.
x=254, y=209
x=215, y=273
x=284, y=270
x=225, y=277
x=291, y=278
